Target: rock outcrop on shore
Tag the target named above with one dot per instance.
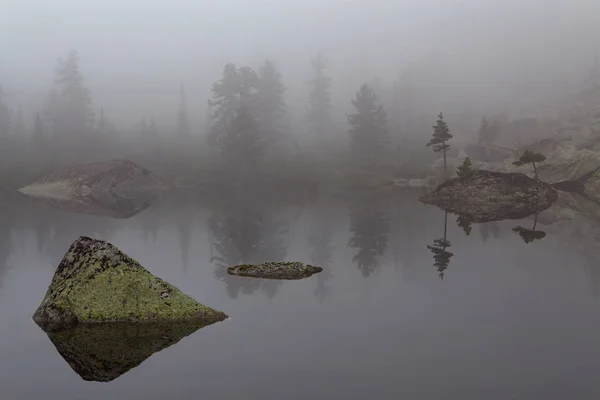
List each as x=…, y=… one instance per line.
x=97, y=283
x=490, y=196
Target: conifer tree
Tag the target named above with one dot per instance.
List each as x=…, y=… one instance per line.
x=38, y=127
x=102, y=123
x=369, y=132
x=183, y=124
x=319, y=113
x=530, y=157
x=152, y=128
x=19, y=125
x=441, y=135
x=269, y=102
x=242, y=145
x=71, y=111
x=465, y=170
x=236, y=87
x=4, y=115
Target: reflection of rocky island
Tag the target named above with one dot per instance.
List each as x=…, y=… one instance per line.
x=117, y=188
x=489, y=196
x=103, y=352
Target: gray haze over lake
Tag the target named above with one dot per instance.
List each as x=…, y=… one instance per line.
x=509, y=319
x=411, y=303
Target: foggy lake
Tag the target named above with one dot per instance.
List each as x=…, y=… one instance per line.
x=200, y=135
x=509, y=319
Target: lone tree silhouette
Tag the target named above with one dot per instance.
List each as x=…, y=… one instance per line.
x=441, y=134
x=530, y=157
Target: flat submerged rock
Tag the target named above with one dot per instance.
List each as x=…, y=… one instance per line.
x=491, y=196
x=97, y=283
x=275, y=270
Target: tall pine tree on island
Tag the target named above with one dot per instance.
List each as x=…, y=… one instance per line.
x=441, y=135
x=183, y=124
x=319, y=112
x=70, y=103
x=369, y=132
x=270, y=103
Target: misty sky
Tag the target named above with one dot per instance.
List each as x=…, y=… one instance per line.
x=133, y=50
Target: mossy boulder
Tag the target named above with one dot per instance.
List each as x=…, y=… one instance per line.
x=97, y=283
x=275, y=270
x=103, y=352
x=490, y=196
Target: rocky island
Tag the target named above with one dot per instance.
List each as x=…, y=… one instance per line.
x=275, y=270
x=115, y=188
x=97, y=283
x=489, y=196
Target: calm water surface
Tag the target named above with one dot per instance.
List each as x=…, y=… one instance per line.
x=509, y=319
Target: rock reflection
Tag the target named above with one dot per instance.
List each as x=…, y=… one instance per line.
x=104, y=352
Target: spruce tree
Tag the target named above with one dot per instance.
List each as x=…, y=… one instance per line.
x=102, y=123
x=270, y=103
x=465, y=170
x=530, y=157
x=71, y=114
x=19, y=126
x=38, y=127
x=4, y=115
x=441, y=135
x=236, y=87
x=242, y=145
x=183, y=124
x=152, y=128
x=369, y=132
x=319, y=113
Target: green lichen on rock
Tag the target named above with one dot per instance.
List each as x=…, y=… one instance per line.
x=491, y=196
x=96, y=283
x=275, y=270
x=103, y=352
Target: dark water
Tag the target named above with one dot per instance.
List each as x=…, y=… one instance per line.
x=509, y=319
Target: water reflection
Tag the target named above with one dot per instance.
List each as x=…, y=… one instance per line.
x=489, y=229
x=441, y=257
x=252, y=231
x=104, y=352
x=464, y=222
x=530, y=235
x=370, y=228
x=319, y=240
